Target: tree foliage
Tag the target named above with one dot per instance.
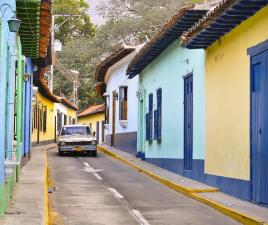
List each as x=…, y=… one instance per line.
x=127, y=22
x=76, y=23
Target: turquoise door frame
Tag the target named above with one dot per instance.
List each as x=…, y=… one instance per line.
x=141, y=124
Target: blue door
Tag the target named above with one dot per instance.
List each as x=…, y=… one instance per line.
x=188, y=122
x=259, y=127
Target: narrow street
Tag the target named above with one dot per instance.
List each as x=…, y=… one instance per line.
x=95, y=191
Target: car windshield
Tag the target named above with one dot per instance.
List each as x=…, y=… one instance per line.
x=75, y=130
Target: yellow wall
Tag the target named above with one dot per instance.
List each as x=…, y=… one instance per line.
x=93, y=120
x=71, y=113
x=50, y=129
x=228, y=98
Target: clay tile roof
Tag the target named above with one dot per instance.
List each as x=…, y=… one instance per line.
x=219, y=21
x=115, y=57
x=91, y=110
x=68, y=103
x=40, y=82
x=173, y=28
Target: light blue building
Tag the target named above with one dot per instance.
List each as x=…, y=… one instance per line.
x=8, y=48
x=171, y=98
x=17, y=50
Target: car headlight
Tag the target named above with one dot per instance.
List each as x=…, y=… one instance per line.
x=94, y=142
x=62, y=143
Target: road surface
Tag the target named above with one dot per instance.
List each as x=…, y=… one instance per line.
x=104, y=191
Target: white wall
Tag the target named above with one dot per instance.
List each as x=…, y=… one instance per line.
x=116, y=77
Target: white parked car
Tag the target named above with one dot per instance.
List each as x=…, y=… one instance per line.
x=77, y=138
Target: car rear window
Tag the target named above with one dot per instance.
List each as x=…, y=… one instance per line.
x=75, y=130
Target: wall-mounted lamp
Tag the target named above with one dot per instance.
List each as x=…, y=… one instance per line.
x=35, y=68
x=27, y=77
x=13, y=23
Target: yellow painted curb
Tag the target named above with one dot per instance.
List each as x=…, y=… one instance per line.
x=192, y=193
x=168, y=183
x=241, y=217
x=46, y=190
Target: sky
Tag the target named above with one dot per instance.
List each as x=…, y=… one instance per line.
x=95, y=18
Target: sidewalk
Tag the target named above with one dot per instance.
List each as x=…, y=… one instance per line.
x=29, y=203
x=243, y=211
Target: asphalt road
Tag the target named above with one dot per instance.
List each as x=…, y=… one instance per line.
x=104, y=191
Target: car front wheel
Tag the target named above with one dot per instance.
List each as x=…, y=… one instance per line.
x=60, y=153
x=93, y=153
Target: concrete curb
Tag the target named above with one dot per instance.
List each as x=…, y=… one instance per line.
x=240, y=217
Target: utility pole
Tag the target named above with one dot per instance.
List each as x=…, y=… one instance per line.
x=71, y=75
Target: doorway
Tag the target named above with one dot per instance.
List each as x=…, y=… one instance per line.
x=259, y=127
x=188, y=122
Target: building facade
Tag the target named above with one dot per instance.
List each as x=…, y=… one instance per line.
x=94, y=117
x=8, y=47
x=121, y=101
x=18, y=50
x=172, y=98
x=43, y=120
x=236, y=70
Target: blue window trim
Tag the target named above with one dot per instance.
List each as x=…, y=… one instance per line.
x=257, y=49
x=149, y=119
x=158, y=115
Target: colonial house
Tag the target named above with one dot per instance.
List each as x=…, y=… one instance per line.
x=94, y=117
x=43, y=132
x=235, y=38
x=121, y=101
x=171, y=97
x=19, y=49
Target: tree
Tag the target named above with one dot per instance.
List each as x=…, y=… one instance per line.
x=134, y=21
x=78, y=25
x=128, y=22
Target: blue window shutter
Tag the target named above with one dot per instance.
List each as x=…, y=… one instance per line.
x=151, y=115
x=159, y=113
x=147, y=127
x=156, y=124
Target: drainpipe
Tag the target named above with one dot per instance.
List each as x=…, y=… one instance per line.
x=19, y=117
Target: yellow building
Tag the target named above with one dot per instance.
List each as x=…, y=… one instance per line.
x=43, y=120
x=236, y=86
x=94, y=117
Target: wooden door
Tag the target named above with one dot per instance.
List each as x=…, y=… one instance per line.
x=188, y=122
x=259, y=127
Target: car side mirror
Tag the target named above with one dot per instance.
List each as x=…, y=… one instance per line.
x=94, y=133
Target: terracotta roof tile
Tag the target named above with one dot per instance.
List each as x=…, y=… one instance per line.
x=68, y=103
x=94, y=109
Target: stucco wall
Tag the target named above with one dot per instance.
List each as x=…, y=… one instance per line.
x=93, y=119
x=7, y=75
x=167, y=72
x=49, y=135
x=228, y=98
x=65, y=110
x=116, y=79
x=27, y=106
